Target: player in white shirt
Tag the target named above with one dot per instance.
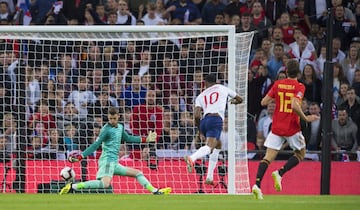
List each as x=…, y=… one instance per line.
x=209, y=114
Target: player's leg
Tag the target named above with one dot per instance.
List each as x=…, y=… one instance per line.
x=297, y=143
x=211, y=127
x=213, y=159
x=273, y=144
x=104, y=177
x=131, y=172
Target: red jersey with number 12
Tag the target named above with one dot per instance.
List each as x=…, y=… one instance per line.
x=285, y=121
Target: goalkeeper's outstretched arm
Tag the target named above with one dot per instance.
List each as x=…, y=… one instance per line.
x=151, y=137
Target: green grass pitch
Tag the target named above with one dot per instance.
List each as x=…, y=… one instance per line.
x=174, y=202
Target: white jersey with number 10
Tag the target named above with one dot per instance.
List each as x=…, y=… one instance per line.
x=214, y=99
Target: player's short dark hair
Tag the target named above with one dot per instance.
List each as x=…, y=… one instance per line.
x=210, y=78
x=113, y=111
x=292, y=68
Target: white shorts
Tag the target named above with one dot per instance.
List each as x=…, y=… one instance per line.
x=296, y=141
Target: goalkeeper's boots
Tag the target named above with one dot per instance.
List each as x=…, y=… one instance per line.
x=189, y=164
x=209, y=182
x=257, y=192
x=163, y=191
x=67, y=189
x=277, y=180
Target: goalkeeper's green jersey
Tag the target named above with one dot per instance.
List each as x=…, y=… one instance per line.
x=110, y=139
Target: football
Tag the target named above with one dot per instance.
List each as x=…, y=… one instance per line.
x=67, y=174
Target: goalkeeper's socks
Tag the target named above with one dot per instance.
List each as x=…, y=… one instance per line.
x=201, y=152
x=144, y=182
x=93, y=184
x=78, y=186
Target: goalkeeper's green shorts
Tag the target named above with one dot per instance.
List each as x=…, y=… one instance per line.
x=110, y=169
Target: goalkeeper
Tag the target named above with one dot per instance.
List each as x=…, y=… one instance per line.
x=111, y=136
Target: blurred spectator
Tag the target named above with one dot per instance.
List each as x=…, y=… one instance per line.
x=111, y=5
x=313, y=85
x=124, y=15
x=102, y=104
x=255, y=85
x=274, y=9
x=344, y=133
x=277, y=38
x=70, y=138
x=33, y=92
x=134, y=94
x=338, y=77
x=224, y=136
x=337, y=54
x=351, y=63
x=317, y=37
x=56, y=145
x=171, y=82
x=43, y=115
x=147, y=82
x=302, y=53
x=260, y=21
x=185, y=11
x=9, y=125
x=4, y=11
x=5, y=155
x=287, y=28
x=49, y=95
x=187, y=128
x=82, y=97
x=353, y=108
x=344, y=87
x=312, y=132
x=315, y=12
x=356, y=82
x=151, y=18
x=344, y=28
x=39, y=9
x=176, y=142
x=247, y=26
x=137, y=8
x=101, y=13
x=147, y=117
x=275, y=62
x=112, y=18
x=210, y=10
x=264, y=126
x=267, y=47
x=298, y=17
x=168, y=123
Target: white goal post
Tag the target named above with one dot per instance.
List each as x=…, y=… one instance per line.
x=43, y=68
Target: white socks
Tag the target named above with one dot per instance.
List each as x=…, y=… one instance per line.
x=213, y=159
x=201, y=152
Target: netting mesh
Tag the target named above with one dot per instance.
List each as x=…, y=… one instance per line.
x=57, y=87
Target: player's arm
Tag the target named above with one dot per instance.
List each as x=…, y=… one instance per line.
x=197, y=116
x=236, y=100
x=77, y=156
x=266, y=100
x=151, y=137
x=295, y=105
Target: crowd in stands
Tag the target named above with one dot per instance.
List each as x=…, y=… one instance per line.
x=69, y=85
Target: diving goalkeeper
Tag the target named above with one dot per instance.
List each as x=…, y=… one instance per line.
x=111, y=136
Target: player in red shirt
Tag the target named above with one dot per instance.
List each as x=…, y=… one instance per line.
x=287, y=94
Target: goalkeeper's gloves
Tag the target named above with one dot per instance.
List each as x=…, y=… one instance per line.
x=75, y=156
x=151, y=137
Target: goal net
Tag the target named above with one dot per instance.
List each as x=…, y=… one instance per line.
x=57, y=83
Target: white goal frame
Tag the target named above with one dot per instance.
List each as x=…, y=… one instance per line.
x=28, y=32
